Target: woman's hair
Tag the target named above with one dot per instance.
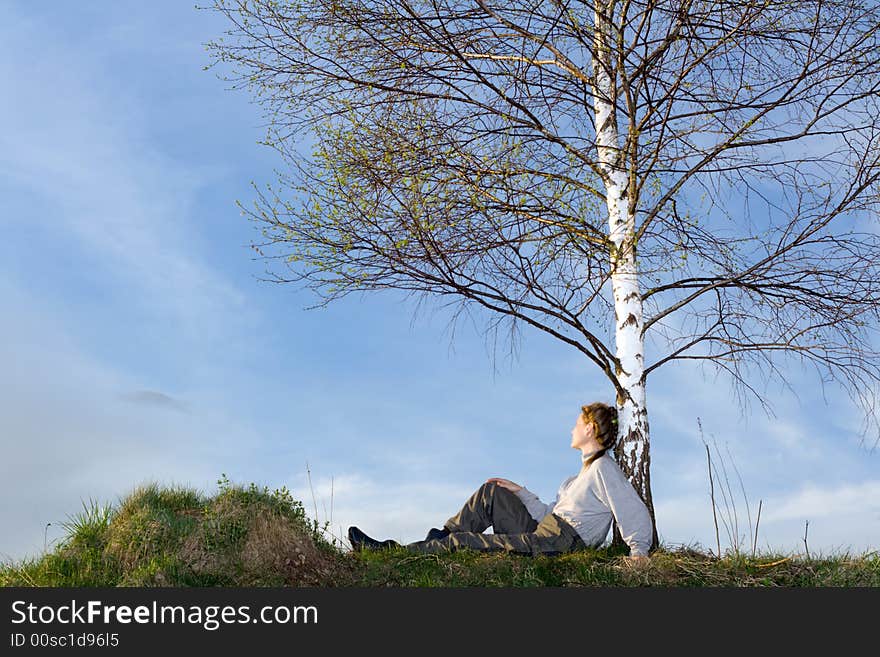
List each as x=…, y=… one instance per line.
x=604, y=420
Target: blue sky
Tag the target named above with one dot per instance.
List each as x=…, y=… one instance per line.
x=138, y=344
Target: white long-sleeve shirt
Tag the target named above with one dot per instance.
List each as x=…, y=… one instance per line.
x=589, y=501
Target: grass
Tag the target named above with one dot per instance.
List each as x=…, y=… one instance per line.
x=605, y=567
x=242, y=536
x=251, y=536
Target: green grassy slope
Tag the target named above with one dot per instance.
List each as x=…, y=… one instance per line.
x=251, y=536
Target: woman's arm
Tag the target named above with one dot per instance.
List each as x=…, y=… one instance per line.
x=504, y=483
x=626, y=506
x=536, y=508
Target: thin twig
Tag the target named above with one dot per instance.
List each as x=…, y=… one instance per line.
x=712, y=495
x=741, y=486
x=314, y=501
x=807, y=547
x=732, y=523
x=757, y=522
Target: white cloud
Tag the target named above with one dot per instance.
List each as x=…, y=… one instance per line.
x=841, y=518
x=860, y=499
x=403, y=510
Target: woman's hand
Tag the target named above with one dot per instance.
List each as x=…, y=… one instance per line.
x=504, y=483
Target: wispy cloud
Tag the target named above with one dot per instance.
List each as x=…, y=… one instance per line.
x=155, y=399
x=102, y=185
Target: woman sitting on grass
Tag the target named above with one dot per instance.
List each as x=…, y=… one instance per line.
x=579, y=517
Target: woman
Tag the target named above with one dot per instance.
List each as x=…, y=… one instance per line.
x=580, y=516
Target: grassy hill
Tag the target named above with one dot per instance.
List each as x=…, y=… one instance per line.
x=251, y=536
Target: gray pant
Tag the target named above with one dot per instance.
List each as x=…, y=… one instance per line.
x=515, y=530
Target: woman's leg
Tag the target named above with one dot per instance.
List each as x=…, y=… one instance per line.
x=553, y=535
x=495, y=506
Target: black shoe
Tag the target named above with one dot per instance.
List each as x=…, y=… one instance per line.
x=360, y=541
x=437, y=534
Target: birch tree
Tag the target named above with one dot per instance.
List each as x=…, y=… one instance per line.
x=647, y=181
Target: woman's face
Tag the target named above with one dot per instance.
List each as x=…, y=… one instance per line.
x=582, y=434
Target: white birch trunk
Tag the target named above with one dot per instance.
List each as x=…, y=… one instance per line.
x=632, y=452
